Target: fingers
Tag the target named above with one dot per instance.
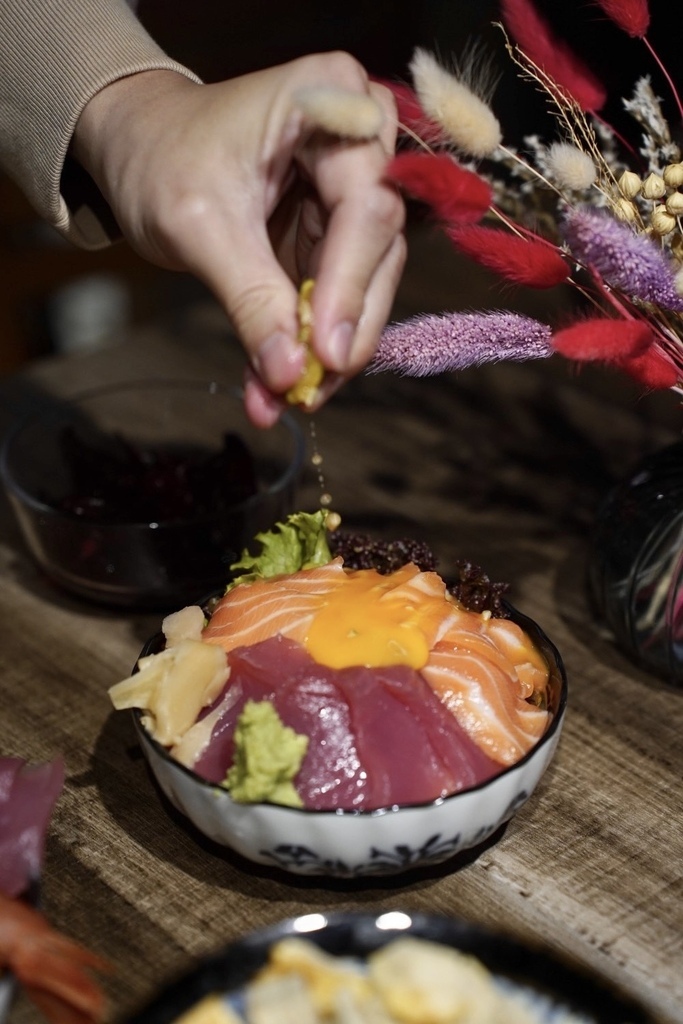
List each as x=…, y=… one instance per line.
x=358, y=249
x=262, y=406
x=379, y=299
x=389, y=129
x=195, y=174
x=361, y=256
x=341, y=222
x=259, y=297
x=377, y=309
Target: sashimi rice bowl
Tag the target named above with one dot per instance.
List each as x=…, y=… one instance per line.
x=342, y=710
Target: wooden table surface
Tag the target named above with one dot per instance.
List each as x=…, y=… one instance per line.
x=503, y=465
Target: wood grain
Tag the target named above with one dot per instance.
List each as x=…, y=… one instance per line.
x=503, y=465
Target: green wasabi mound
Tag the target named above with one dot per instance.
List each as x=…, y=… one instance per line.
x=268, y=755
x=300, y=542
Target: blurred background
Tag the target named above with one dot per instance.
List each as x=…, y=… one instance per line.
x=55, y=298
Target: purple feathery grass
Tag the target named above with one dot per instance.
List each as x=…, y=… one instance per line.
x=430, y=344
x=627, y=261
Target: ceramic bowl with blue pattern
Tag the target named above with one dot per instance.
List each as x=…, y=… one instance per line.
x=354, y=844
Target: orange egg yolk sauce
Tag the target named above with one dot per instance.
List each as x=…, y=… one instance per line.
x=375, y=621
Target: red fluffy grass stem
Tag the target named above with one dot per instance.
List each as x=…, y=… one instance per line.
x=535, y=38
x=632, y=16
x=627, y=344
x=667, y=76
x=603, y=339
x=524, y=261
x=653, y=368
x=455, y=194
x=522, y=229
x=412, y=119
x=628, y=311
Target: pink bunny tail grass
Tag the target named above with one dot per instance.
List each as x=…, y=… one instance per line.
x=523, y=261
x=633, y=263
x=536, y=39
x=632, y=16
x=427, y=345
x=453, y=193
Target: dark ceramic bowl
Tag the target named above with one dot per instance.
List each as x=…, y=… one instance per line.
x=553, y=986
x=142, y=494
x=353, y=844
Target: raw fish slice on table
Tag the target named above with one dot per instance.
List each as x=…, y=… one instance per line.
x=54, y=971
x=28, y=794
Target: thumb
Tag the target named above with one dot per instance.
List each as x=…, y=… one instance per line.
x=258, y=297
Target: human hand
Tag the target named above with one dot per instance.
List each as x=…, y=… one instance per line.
x=229, y=182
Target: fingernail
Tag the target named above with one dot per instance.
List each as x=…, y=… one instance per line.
x=276, y=354
x=339, y=344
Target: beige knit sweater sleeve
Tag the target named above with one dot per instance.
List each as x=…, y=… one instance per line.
x=54, y=56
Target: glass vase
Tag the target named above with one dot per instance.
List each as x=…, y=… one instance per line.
x=636, y=564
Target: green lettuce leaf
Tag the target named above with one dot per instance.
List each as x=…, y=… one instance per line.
x=300, y=542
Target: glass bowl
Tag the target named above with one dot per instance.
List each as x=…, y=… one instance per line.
x=353, y=844
x=142, y=494
x=636, y=564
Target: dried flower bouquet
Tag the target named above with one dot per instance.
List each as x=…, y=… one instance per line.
x=590, y=209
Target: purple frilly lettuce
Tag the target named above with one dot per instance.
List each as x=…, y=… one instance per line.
x=430, y=344
x=624, y=260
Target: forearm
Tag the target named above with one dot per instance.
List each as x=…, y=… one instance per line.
x=56, y=55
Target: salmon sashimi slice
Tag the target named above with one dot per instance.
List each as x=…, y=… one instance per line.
x=342, y=618
x=513, y=643
x=283, y=605
x=486, y=698
x=525, y=678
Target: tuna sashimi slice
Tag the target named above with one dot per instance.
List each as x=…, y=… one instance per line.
x=307, y=700
x=376, y=737
x=28, y=794
x=410, y=745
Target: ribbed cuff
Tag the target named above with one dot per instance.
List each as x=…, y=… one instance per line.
x=56, y=55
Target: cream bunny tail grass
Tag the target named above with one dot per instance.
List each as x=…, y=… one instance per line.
x=350, y=115
x=570, y=167
x=451, y=102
